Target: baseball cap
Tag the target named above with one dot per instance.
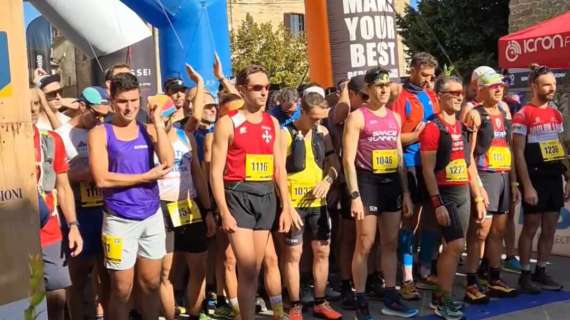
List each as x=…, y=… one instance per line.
x=96, y=98
x=490, y=79
x=357, y=84
x=377, y=76
x=47, y=79
x=479, y=71
x=174, y=84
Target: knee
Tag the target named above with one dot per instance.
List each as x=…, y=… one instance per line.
x=149, y=283
x=455, y=247
x=390, y=245
x=294, y=253
x=364, y=244
x=321, y=253
x=530, y=228
x=248, y=273
x=230, y=263
x=270, y=260
x=165, y=275
x=121, y=291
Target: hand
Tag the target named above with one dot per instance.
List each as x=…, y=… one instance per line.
x=154, y=112
x=407, y=205
x=157, y=172
x=194, y=75
x=357, y=209
x=419, y=128
x=321, y=189
x=284, y=221
x=485, y=196
x=38, y=74
x=218, y=71
x=210, y=225
x=516, y=194
x=229, y=223
x=442, y=216
x=530, y=196
x=296, y=221
x=566, y=190
x=481, y=211
x=75, y=241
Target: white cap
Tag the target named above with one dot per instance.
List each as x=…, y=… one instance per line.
x=479, y=71
x=314, y=89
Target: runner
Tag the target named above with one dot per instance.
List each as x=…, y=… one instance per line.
x=93, y=107
x=113, y=71
x=312, y=167
x=415, y=105
x=541, y=166
x=448, y=171
x=53, y=92
x=289, y=109
x=121, y=157
x=246, y=167
x=176, y=90
x=378, y=187
x=473, y=94
x=490, y=141
x=54, y=187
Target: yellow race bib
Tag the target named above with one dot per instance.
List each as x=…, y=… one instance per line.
x=90, y=195
x=300, y=193
x=113, y=246
x=258, y=167
x=456, y=171
x=499, y=158
x=551, y=150
x=183, y=212
x=384, y=161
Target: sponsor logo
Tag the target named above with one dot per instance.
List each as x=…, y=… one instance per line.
x=514, y=49
x=140, y=146
x=266, y=136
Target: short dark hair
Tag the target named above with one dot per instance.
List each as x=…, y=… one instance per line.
x=423, y=59
x=312, y=99
x=123, y=82
x=226, y=98
x=442, y=81
x=536, y=71
x=243, y=74
x=288, y=95
x=111, y=69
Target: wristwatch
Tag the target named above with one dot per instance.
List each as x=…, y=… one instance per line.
x=354, y=195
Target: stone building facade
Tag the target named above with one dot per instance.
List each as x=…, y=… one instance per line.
x=525, y=13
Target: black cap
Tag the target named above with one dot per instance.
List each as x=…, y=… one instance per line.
x=45, y=80
x=357, y=84
x=377, y=75
x=174, y=84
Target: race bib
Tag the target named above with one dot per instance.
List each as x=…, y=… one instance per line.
x=456, y=171
x=301, y=196
x=113, y=246
x=258, y=167
x=551, y=150
x=90, y=195
x=499, y=158
x=183, y=212
x=384, y=161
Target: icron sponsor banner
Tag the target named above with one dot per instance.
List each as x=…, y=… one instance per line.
x=362, y=35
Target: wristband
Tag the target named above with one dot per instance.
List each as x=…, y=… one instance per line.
x=514, y=184
x=436, y=201
x=73, y=223
x=479, y=199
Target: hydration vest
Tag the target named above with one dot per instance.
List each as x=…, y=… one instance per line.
x=485, y=133
x=47, y=179
x=416, y=114
x=443, y=154
x=296, y=160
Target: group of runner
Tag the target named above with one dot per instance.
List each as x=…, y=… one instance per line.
x=385, y=182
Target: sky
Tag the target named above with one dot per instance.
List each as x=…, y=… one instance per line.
x=30, y=13
x=414, y=3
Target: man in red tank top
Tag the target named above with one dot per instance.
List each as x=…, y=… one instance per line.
x=246, y=166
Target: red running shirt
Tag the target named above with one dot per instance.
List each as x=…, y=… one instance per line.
x=250, y=154
x=455, y=173
x=538, y=125
x=50, y=233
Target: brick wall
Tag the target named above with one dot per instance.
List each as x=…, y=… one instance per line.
x=525, y=13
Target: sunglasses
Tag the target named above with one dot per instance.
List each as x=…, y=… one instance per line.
x=496, y=86
x=52, y=95
x=96, y=114
x=457, y=93
x=258, y=87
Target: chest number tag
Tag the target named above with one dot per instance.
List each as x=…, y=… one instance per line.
x=183, y=212
x=301, y=195
x=499, y=158
x=90, y=195
x=384, y=161
x=113, y=246
x=258, y=167
x=456, y=171
x=551, y=150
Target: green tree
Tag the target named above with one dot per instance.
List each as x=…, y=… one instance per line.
x=284, y=55
x=463, y=31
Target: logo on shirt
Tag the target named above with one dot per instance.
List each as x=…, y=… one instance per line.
x=243, y=130
x=140, y=146
x=266, y=136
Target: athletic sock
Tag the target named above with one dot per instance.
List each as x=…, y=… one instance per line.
x=277, y=306
x=471, y=278
x=234, y=304
x=319, y=301
x=361, y=299
x=494, y=274
x=408, y=264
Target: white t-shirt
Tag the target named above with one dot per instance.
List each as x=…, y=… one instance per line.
x=44, y=124
x=74, y=140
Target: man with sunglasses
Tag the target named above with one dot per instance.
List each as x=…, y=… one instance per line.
x=93, y=107
x=53, y=91
x=176, y=90
x=490, y=142
x=415, y=105
x=542, y=165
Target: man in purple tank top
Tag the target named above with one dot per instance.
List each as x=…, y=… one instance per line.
x=121, y=161
x=378, y=188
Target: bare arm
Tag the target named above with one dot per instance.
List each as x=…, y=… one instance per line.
x=52, y=117
x=280, y=172
x=342, y=108
x=206, y=165
x=352, y=127
x=519, y=144
x=65, y=197
x=79, y=170
x=332, y=163
x=197, y=101
x=428, y=170
x=219, y=74
x=222, y=138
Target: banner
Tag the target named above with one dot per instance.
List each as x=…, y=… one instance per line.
x=38, y=40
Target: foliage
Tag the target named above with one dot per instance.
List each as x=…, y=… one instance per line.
x=284, y=55
x=468, y=30
x=36, y=280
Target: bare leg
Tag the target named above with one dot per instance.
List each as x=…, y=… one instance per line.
x=365, y=235
x=196, y=289
x=79, y=270
x=389, y=224
x=56, y=304
x=166, y=288
x=447, y=263
x=148, y=280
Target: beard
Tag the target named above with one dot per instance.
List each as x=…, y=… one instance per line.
x=546, y=97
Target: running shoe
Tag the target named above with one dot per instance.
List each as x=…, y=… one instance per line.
x=260, y=305
x=307, y=294
x=348, y=302
x=500, y=289
x=296, y=312
x=224, y=311
x=398, y=309
x=474, y=295
x=210, y=304
x=447, y=309
x=375, y=286
x=204, y=316
x=409, y=292
x=178, y=310
x=512, y=265
x=526, y=285
x=427, y=283
x=325, y=311
x=332, y=294
x=434, y=303
x=545, y=280
x=363, y=313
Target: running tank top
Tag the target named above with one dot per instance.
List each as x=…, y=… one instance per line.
x=250, y=154
x=305, y=180
x=498, y=157
x=178, y=183
x=377, y=149
x=131, y=157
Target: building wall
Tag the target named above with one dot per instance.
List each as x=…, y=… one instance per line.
x=525, y=13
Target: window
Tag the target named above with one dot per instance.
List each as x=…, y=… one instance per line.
x=295, y=23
